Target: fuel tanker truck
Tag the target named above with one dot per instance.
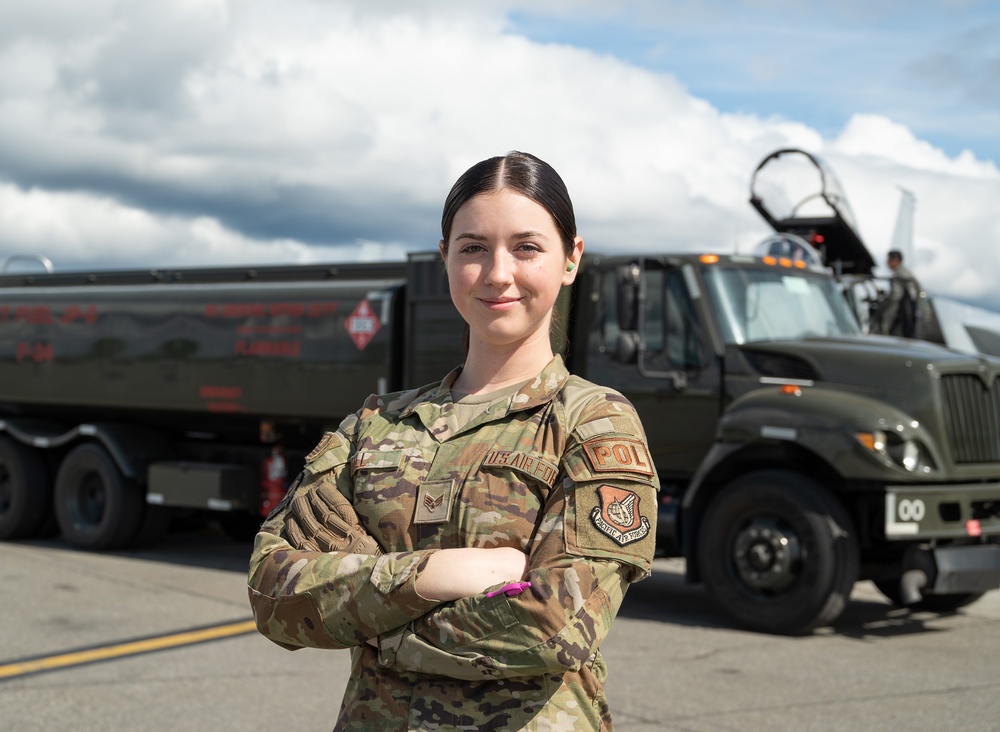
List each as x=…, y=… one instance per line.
x=796, y=455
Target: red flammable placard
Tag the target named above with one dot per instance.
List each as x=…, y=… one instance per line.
x=362, y=324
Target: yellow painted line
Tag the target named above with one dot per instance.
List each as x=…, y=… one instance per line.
x=129, y=648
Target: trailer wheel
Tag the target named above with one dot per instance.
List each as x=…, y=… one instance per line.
x=97, y=507
x=25, y=497
x=933, y=603
x=778, y=553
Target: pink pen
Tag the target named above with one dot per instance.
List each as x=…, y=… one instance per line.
x=510, y=589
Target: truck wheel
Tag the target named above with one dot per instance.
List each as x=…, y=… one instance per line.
x=97, y=507
x=778, y=553
x=24, y=490
x=933, y=603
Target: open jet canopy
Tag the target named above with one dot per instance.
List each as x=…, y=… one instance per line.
x=798, y=194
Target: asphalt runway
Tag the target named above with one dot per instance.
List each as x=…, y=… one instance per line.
x=158, y=639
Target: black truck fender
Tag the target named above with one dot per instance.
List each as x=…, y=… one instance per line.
x=131, y=447
x=828, y=422
x=809, y=430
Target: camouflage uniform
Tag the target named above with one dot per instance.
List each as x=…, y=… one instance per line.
x=560, y=470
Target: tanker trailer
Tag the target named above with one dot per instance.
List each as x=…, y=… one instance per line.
x=125, y=394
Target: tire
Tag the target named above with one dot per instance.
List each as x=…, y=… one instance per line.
x=96, y=506
x=25, y=494
x=933, y=603
x=778, y=553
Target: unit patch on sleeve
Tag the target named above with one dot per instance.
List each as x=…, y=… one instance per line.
x=618, y=455
x=613, y=520
x=618, y=515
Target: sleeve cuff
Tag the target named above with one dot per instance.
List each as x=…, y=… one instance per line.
x=395, y=575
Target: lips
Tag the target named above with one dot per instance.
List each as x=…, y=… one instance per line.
x=502, y=303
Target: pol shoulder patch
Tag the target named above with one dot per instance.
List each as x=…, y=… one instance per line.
x=618, y=455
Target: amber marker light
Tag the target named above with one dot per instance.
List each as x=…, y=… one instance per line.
x=785, y=262
x=769, y=260
x=800, y=263
x=791, y=389
x=873, y=441
x=709, y=258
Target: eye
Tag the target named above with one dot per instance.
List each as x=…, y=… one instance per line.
x=472, y=248
x=528, y=247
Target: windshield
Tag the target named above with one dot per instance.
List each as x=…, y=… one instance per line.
x=777, y=304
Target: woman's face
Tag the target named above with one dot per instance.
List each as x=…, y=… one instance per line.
x=506, y=264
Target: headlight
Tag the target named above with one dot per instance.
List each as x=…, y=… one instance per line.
x=911, y=455
x=907, y=454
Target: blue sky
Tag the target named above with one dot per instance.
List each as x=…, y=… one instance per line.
x=933, y=66
x=156, y=133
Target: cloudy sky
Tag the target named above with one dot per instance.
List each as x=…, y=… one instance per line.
x=184, y=132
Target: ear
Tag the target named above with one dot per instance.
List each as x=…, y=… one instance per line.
x=574, y=258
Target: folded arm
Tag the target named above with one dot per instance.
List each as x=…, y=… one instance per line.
x=597, y=535
x=316, y=578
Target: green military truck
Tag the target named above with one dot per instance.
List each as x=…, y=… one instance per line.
x=796, y=455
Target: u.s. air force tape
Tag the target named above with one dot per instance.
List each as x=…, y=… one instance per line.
x=534, y=466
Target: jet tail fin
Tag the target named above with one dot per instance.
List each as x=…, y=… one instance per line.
x=902, y=235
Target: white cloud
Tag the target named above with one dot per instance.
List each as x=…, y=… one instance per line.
x=192, y=132
x=75, y=230
x=876, y=136
x=955, y=225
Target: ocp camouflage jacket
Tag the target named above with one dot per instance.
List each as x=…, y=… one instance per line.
x=559, y=470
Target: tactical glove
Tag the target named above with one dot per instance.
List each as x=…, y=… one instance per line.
x=322, y=520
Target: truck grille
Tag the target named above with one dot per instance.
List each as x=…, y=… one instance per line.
x=972, y=417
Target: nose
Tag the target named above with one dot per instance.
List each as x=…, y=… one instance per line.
x=498, y=271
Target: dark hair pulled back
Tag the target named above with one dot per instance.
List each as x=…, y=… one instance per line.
x=520, y=172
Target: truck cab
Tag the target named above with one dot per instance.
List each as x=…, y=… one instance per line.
x=797, y=455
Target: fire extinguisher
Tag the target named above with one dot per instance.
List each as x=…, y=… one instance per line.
x=273, y=481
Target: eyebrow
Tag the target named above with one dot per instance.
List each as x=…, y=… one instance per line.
x=531, y=234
